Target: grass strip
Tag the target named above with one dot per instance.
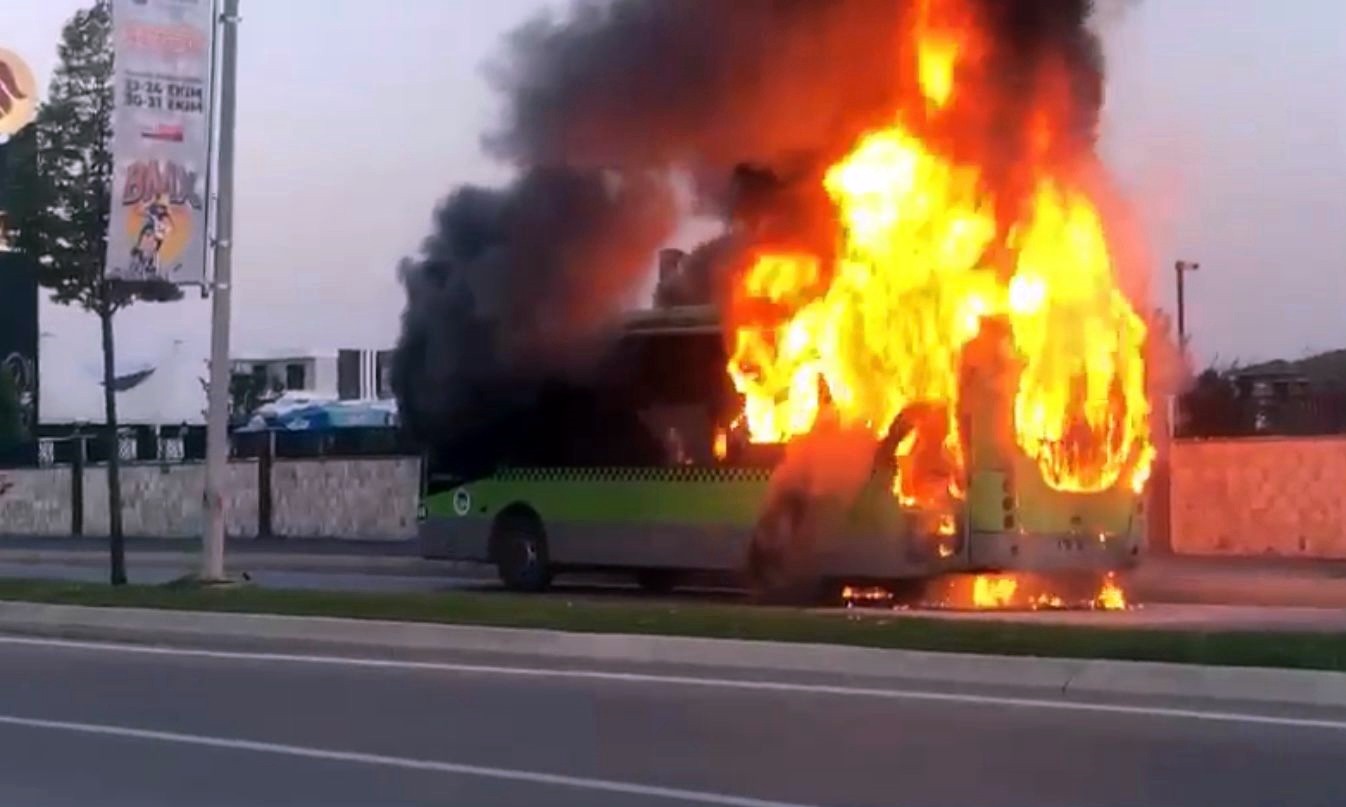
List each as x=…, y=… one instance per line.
x=1302, y=650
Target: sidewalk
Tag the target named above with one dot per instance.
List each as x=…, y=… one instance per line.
x=308, y=554
x=1286, y=582
x=281, y=546
x=1293, y=582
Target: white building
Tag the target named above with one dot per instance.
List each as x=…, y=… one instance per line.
x=326, y=374
x=162, y=365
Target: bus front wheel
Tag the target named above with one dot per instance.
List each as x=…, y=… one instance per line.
x=780, y=562
x=520, y=549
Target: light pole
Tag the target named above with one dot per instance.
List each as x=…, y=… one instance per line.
x=217, y=419
x=1181, y=268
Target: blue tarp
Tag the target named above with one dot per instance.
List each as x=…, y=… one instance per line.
x=323, y=416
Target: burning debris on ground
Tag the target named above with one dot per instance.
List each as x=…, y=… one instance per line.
x=865, y=595
x=998, y=592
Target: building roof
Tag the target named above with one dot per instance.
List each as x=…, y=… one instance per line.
x=1322, y=370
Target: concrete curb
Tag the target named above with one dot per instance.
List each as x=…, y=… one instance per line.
x=1301, y=687
x=258, y=561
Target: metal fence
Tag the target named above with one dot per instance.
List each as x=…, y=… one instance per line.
x=1217, y=413
x=175, y=445
x=134, y=444
x=371, y=441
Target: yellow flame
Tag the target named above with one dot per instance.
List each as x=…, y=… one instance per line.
x=1047, y=600
x=1080, y=410
x=993, y=591
x=852, y=594
x=915, y=230
x=928, y=251
x=937, y=53
x=1111, y=597
x=937, y=64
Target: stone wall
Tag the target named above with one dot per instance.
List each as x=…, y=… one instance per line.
x=35, y=502
x=168, y=501
x=372, y=498
x=1260, y=496
x=1255, y=496
x=369, y=499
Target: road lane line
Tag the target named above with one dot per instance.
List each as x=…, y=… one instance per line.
x=435, y=766
x=687, y=680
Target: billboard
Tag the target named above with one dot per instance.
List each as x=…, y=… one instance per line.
x=18, y=351
x=163, y=51
x=18, y=93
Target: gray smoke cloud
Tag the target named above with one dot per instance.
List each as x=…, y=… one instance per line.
x=516, y=287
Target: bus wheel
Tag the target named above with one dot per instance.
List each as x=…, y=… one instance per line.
x=778, y=555
x=656, y=581
x=520, y=549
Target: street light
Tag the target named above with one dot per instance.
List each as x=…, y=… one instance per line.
x=217, y=391
x=1180, y=268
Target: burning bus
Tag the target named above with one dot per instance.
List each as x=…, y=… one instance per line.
x=669, y=482
x=923, y=352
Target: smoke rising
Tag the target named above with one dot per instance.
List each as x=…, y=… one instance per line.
x=784, y=85
x=514, y=282
x=701, y=83
x=516, y=287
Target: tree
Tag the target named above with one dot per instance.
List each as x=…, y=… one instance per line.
x=63, y=207
x=247, y=391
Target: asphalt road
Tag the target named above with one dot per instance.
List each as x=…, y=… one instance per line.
x=117, y=725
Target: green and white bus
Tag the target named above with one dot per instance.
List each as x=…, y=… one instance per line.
x=696, y=508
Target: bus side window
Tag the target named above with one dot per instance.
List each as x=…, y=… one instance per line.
x=676, y=447
x=685, y=431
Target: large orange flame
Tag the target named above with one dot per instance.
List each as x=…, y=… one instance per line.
x=929, y=249
x=1080, y=410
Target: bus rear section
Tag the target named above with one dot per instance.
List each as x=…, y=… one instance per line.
x=1015, y=519
x=699, y=498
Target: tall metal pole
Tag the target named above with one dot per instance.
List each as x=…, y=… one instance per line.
x=1181, y=268
x=217, y=418
x=1178, y=268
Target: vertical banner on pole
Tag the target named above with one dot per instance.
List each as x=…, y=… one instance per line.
x=161, y=140
x=19, y=356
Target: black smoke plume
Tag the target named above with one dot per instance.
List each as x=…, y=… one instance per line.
x=514, y=295
x=782, y=85
x=517, y=287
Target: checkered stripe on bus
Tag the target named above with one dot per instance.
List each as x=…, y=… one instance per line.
x=682, y=473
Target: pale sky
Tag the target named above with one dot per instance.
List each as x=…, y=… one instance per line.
x=1226, y=121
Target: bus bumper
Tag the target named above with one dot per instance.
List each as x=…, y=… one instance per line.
x=1006, y=551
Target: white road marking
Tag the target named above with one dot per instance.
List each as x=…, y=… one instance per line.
x=435, y=766
x=689, y=681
